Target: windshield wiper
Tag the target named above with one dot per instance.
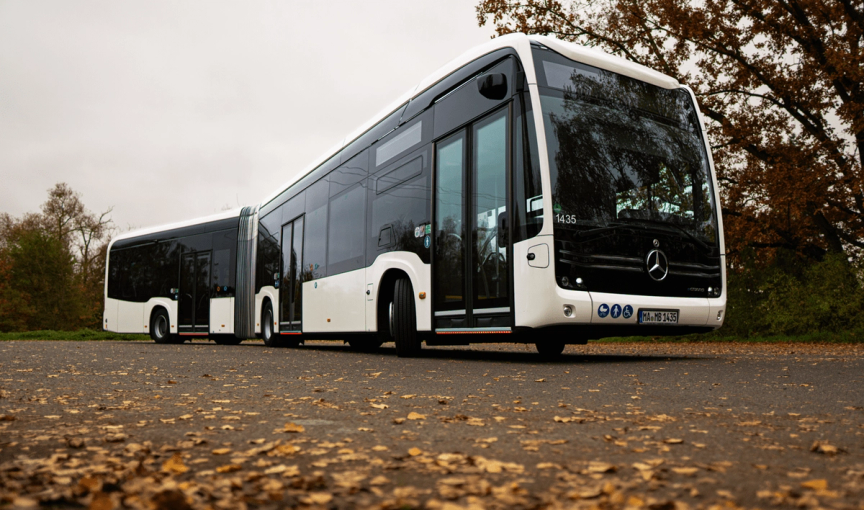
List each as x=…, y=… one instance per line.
x=682, y=230
x=601, y=230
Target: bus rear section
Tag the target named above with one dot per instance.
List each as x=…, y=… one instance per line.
x=179, y=281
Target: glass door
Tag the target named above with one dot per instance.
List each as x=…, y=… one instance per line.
x=290, y=284
x=194, y=301
x=471, y=257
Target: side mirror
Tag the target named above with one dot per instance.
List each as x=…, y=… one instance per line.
x=493, y=86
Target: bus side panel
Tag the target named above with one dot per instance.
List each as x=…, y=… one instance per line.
x=267, y=292
x=130, y=317
x=109, y=322
x=421, y=282
x=168, y=304
x=222, y=315
x=335, y=303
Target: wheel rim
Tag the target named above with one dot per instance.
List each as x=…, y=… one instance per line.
x=392, y=327
x=268, y=328
x=161, y=326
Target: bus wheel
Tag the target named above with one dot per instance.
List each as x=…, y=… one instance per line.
x=551, y=348
x=403, y=320
x=160, y=331
x=271, y=339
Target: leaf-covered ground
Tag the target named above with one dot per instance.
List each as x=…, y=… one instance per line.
x=655, y=426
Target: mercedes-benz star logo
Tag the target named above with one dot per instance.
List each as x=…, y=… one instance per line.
x=657, y=265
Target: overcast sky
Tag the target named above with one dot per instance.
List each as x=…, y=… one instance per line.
x=173, y=110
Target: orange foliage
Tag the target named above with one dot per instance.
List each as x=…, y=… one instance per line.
x=780, y=86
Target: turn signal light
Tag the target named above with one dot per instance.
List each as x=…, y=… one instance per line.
x=422, y=295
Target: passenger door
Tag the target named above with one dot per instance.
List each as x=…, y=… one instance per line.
x=290, y=286
x=194, y=303
x=471, y=262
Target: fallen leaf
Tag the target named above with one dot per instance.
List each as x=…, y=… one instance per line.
x=398, y=421
x=820, y=484
x=293, y=427
x=673, y=441
x=415, y=451
x=687, y=471
x=416, y=416
x=221, y=451
x=379, y=480
x=824, y=448
x=229, y=468
x=319, y=498
x=174, y=465
x=379, y=406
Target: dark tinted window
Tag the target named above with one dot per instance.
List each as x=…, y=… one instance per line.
x=349, y=173
x=315, y=244
x=347, y=230
x=466, y=103
x=399, y=215
x=526, y=178
x=399, y=174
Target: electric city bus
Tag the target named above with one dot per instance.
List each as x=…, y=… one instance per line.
x=531, y=190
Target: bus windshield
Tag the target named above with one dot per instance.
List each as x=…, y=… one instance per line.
x=622, y=151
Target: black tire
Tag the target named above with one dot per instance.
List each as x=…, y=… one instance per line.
x=550, y=348
x=160, y=328
x=268, y=333
x=403, y=322
x=226, y=339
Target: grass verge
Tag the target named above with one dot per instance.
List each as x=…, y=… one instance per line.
x=79, y=335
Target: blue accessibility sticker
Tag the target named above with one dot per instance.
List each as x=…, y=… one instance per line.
x=616, y=311
x=628, y=311
x=427, y=242
x=603, y=310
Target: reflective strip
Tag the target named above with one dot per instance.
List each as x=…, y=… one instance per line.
x=447, y=313
x=471, y=331
x=503, y=309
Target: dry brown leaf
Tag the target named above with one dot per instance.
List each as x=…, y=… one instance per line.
x=824, y=448
x=601, y=467
x=229, y=468
x=221, y=451
x=687, y=471
x=174, y=465
x=416, y=416
x=398, y=421
x=379, y=480
x=293, y=427
x=379, y=406
x=317, y=498
x=820, y=484
x=415, y=451
x=673, y=440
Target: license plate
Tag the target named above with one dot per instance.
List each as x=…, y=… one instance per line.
x=658, y=316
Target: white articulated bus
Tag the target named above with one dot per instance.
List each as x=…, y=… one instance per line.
x=531, y=190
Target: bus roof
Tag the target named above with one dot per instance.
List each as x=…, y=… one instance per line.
x=522, y=44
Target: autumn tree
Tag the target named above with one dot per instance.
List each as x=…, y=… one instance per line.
x=52, y=265
x=780, y=86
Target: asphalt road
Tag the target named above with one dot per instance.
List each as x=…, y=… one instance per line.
x=660, y=426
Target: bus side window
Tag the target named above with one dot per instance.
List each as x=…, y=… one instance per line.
x=315, y=231
x=466, y=103
x=400, y=206
x=346, y=231
x=528, y=192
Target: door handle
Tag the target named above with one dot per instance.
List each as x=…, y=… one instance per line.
x=531, y=256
